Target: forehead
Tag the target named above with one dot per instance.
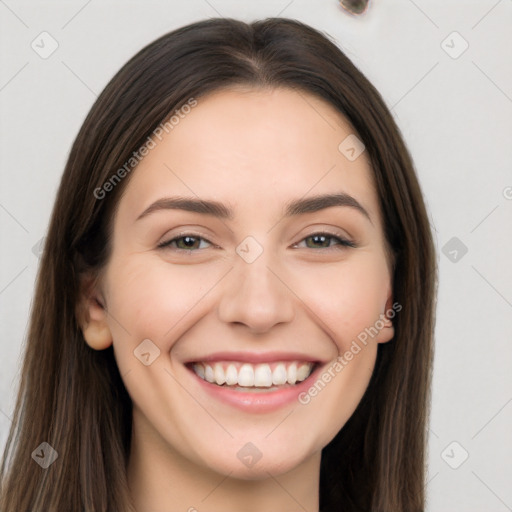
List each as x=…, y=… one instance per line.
x=245, y=145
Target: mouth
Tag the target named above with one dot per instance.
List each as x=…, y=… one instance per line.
x=248, y=377
x=255, y=383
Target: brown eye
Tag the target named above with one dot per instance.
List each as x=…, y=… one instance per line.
x=185, y=243
x=318, y=241
x=326, y=241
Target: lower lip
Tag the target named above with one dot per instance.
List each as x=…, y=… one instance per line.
x=258, y=401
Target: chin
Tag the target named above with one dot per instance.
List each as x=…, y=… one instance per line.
x=265, y=464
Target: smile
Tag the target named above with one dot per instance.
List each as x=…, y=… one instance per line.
x=256, y=383
x=246, y=375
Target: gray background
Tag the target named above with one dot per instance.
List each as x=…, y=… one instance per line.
x=455, y=112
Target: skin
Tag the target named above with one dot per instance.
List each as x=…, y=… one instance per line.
x=244, y=148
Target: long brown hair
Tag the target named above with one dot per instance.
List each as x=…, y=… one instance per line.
x=73, y=398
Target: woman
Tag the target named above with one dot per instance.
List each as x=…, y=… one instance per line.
x=235, y=305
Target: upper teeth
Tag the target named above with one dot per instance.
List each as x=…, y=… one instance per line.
x=249, y=375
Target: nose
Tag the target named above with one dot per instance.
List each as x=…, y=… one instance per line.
x=256, y=296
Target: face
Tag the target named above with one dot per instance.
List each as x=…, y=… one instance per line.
x=234, y=299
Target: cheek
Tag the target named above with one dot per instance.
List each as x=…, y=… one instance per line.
x=346, y=303
x=347, y=298
x=153, y=299
x=336, y=393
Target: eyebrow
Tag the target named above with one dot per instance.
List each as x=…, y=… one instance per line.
x=221, y=211
x=320, y=202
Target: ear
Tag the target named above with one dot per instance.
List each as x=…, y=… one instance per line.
x=387, y=332
x=92, y=315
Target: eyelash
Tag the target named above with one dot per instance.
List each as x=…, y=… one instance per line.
x=342, y=242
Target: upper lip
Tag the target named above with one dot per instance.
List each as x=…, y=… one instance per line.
x=255, y=357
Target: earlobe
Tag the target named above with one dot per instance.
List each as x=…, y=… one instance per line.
x=385, y=323
x=96, y=331
x=92, y=318
x=387, y=332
